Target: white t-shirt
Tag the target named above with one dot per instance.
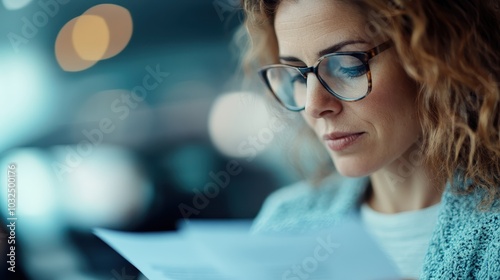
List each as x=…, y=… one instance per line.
x=404, y=236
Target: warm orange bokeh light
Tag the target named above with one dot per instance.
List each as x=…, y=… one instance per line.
x=91, y=37
x=102, y=32
x=66, y=55
x=119, y=23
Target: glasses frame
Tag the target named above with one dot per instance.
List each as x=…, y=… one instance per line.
x=363, y=56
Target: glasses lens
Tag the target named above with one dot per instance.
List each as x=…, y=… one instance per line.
x=345, y=75
x=288, y=85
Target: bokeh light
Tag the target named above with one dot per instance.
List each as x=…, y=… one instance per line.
x=15, y=4
x=36, y=192
x=119, y=22
x=234, y=117
x=104, y=187
x=90, y=37
x=66, y=55
x=102, y=32
x=26, y=108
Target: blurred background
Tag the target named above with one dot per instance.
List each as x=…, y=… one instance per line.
x=127, y=115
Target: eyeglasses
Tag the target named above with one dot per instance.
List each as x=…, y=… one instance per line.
x=346, y=75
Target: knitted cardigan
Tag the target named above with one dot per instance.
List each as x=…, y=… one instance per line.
x=464, y=245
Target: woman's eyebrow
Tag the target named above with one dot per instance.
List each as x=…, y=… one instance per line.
x=339, y=46
x=290, y=59
x=331, y=49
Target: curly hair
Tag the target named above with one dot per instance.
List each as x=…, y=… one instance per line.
x=451, y=48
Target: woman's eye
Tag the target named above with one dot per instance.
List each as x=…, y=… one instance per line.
x=345, y=67
x=352, y=72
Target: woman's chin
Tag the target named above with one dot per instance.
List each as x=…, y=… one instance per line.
x=352, y=173
x=353, y=169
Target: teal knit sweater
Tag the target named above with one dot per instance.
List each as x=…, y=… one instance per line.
x=465, y=243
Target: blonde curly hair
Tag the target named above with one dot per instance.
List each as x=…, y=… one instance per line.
x=451, y=48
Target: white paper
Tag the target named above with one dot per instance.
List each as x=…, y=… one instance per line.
x=226, y=250
x=168, y=255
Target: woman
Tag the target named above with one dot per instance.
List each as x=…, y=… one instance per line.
x=404, y=97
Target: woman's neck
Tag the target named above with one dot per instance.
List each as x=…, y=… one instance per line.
x=404, y=185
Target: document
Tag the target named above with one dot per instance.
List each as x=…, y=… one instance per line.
x=223, y=250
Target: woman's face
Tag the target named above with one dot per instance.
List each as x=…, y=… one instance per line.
x=363, y=136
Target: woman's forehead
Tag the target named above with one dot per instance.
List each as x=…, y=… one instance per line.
x=305, y=27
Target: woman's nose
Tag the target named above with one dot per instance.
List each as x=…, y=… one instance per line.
x=320, y=102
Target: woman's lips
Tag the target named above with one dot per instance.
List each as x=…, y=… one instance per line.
x=340, y=141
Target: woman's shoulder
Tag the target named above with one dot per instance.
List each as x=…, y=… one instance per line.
x=303, y=206
x=465, y=232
